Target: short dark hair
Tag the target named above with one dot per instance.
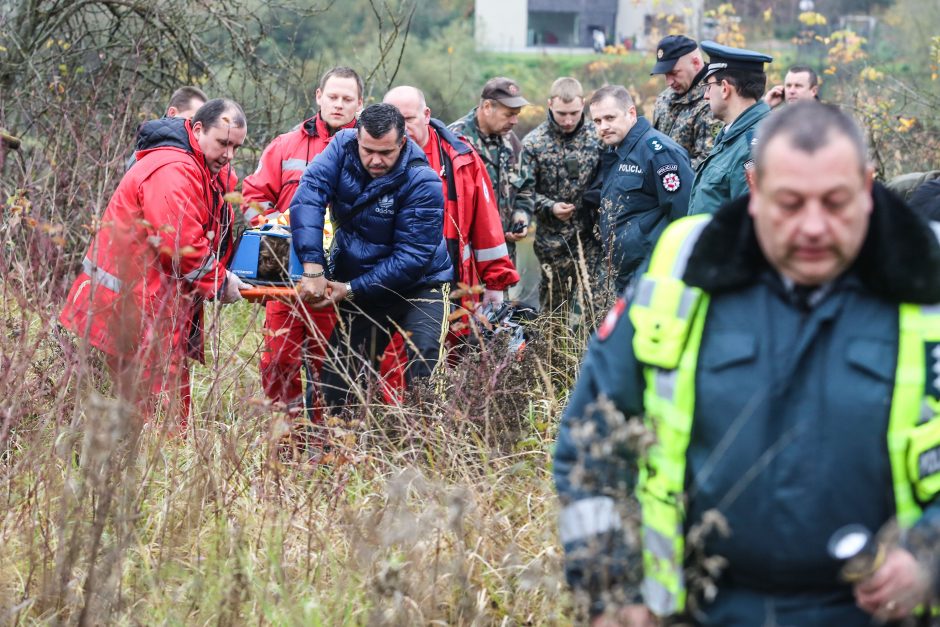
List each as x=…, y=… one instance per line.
x=748, y=84
x=380, y=118
x=184, y=96
x=799, y=69
x=213, y=112
x=341, y=71
x=617, y=92
x=810, y=125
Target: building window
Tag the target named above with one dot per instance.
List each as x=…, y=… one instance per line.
x=551, y=28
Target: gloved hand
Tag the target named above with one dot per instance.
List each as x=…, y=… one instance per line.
x=230, y=291
x=492, y=297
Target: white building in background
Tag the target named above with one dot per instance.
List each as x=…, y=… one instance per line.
x=519, y=25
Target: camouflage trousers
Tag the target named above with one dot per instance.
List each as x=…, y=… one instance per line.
x=569, y=279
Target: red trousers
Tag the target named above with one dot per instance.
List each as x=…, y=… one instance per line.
x=292, y=333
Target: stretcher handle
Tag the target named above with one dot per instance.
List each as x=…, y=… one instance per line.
x=263, y=293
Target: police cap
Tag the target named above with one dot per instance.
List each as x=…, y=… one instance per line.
x=728, y=58
x=669, y=50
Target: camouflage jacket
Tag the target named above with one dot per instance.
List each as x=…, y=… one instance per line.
x=687, y=118
x=500, y=153
x=556, y=167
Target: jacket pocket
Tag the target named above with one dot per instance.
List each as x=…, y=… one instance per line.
x=729, y=348
x=875, y=358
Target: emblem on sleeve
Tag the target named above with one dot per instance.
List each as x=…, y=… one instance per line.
x=672, y=167
x=611, y=319
x=656, y=145
x=671, y=182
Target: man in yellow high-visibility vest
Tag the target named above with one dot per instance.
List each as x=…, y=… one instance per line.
x=784, y=356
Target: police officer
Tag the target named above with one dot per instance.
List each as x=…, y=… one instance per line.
x=784, y=362
x=559, y=161
x=489, y=129
x=644, y=183
x=681, y=110
x=734, y=85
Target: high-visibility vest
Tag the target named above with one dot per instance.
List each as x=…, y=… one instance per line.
x=668, y=317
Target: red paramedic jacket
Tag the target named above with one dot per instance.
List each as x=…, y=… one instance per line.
x=161, y=249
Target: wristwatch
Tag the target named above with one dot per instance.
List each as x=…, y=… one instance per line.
x=349, y=292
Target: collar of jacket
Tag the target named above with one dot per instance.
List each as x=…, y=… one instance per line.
x=748, y=118
x=487, y=139
x=316, y=127
x=633, y=136
x=167, y=133
x=694, y=93
x=448, y=136
x=411, y=152
x=556, y=130
x=899, y=260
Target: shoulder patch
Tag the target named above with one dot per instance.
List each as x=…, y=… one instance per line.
x=655, y=145
x=671, y=181
x=611, y=319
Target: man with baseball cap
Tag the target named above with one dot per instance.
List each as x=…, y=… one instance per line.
x=488, y=128
x=734, y=86
x=681, y=110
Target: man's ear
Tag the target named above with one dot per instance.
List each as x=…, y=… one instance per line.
x=751, y=175
x=172, y=112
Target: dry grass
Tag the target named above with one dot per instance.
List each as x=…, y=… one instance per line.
x=441, y=511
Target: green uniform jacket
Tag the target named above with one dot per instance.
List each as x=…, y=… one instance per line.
x=722, y=176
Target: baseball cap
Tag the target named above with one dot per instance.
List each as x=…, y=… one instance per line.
x=669, y=50
x=504, y=91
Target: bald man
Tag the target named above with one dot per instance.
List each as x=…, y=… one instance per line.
x=472, y=225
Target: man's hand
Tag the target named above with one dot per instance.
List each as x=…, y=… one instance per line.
x=492, y=297
x=515, y=233
x=231, y=289
x=312, y=290
x=563, y=210
x=335, y=292
x=775, y=96
x=894, y=590
x=627, y=616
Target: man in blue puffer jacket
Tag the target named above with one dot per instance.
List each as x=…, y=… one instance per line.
x=388, y=261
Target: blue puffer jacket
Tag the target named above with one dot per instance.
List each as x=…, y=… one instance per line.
x=396, y=243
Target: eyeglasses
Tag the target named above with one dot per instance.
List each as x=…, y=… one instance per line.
x=708, y=84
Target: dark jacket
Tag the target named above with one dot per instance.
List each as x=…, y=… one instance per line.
x=790, y=420
x=645, y=184
x=395, y=243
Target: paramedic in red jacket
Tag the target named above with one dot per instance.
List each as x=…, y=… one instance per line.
x=162, y=248
x=292, y=330
x=472, y=225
